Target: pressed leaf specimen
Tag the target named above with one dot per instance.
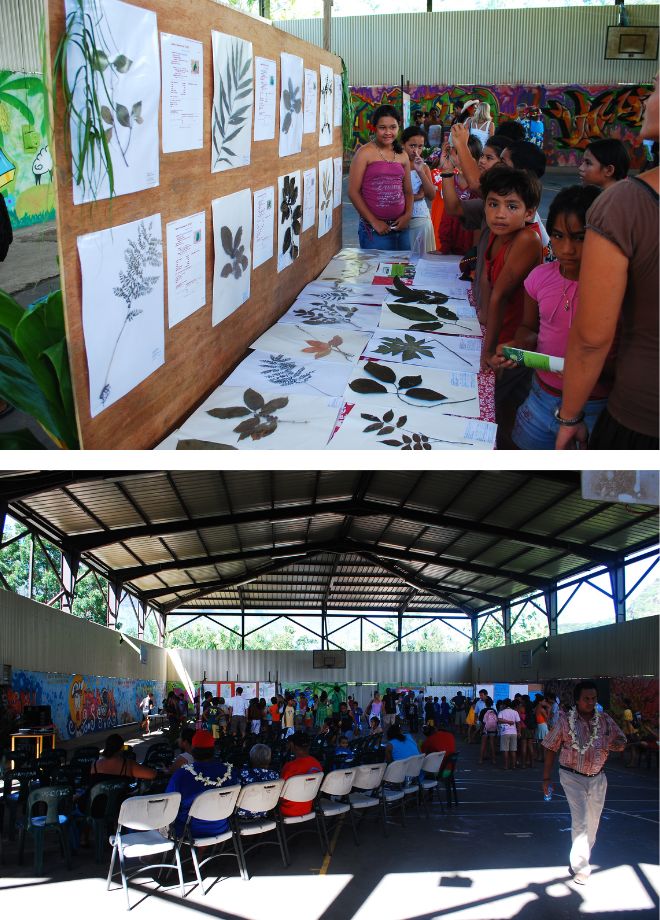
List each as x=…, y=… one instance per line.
x=412, y=349
x=424, y=320
x=196, y=444
x=134, y=283
x=406, y=439
x=291, y=213
x=235, y=250
x=284, y=371
x=292, y=103
x=259, y=418
x=379, y=378
x=233, y=103
x=405, y=294
x=326, y=101
x=325, y=196
x=323, y=349
x=327, y=314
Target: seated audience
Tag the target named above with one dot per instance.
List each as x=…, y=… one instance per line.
x=303, y=764
x=399, y=745
x=437, y=740
x=605, y=162
x=185, y=747
x=112, y=764
x=259, y=771
x=375, y=727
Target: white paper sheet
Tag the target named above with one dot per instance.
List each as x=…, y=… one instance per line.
x=310, y=101
x=309, y=343
x=127, y=82
x=291, y=98
x=233, y=93
x=438, y=276
x=338, y=168
x=411, y=315
x=264, y=226
x=309, y=198
x=232, y=235
x=289, y=222
x=326, y=199
x=404, y=428
x=265, y=98
x=451, y=352
x=337, y=101
x=263, y=370
x=326, y=111
x=422, y=388
x=183, y=81
x=123, y=307
x=186, y=266
x=331, y=314
x=268, y=420
x=343, y=292
x=352, y=271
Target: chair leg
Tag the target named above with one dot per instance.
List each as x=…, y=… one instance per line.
x=112, y=865
x=351, y=816
x=64, y=833
x=280, y=838
x=21, y=845
x=193, y=853
x=240, y=852
x=323, y=833
x=177, y=857
x=124, y=880
x=38, y=851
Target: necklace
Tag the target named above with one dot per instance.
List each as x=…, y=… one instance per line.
x=205, y=780
x=593, y=722
x=380, y=153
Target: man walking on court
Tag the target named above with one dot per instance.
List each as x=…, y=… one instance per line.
x=583, y=737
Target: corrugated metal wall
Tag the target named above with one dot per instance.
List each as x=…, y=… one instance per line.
x=416, y=667
x=620, y=650
x=19, y=35
x=36, y=638
x=533, y=46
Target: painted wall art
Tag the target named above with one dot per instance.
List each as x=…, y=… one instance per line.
x=452, y=392
x=310, y=101
x=233, y=93
x=311, y=343
x=264, y=370
x=122, y=307
x=367, y=427
x=338, y=170
x=291, y=101
x=309, y=199
x=186, y=266
x=325, y=196
x=326, y=109
x=232, y=237
x=183, y=103
x=113, y=69
x=289, y=224
x=428, y=350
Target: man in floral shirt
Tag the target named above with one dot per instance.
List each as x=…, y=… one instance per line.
x=583, y=737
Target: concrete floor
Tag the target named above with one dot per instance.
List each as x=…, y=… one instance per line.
x=501, y=854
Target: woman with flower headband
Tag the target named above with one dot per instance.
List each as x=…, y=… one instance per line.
x=202, y=774
x=583, y=737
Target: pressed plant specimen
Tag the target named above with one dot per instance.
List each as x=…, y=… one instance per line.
x=290, y=211
x=379, y=378
x=134, y=283
x=259, y=418
x=325, y=204
x=412, y=349
x=238, y=261
x=424, y=320
x=327, y=314
x=291, y=96
x=406, y=438
x=323, y=349
x=284, y=372
x=405, y=294
x=231, y=113
x=326, y=102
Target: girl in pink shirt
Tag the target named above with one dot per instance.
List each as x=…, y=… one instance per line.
x=551, y=299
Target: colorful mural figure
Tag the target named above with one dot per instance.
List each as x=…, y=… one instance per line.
x=572, y=115
x=26, y=166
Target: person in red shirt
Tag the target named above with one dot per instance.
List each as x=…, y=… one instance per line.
x=302, y=764
x=437, y=740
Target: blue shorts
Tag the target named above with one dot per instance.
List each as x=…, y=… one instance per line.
x=536, y=427
x=395, y=240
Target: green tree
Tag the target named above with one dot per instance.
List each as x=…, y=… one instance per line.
x=646, y=602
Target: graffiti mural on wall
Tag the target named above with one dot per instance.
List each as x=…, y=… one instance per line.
x=573, y=115
x=26, y=167
x=81, y=703
x=641, y=691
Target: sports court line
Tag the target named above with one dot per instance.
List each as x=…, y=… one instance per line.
x=328, y=856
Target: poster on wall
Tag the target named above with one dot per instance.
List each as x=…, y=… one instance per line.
x=125, y=75
x=338, y=94
x=183, y=113
x=338, y=168
x=233, y=89
x=124, y=326
x=232, y=236
x=264, y=226
x=310, y=101
x=290, y=217
x=265, y=99
x=186, y=266
x=309, y=198
x=291, y=97
x=326, y=110
x=325, y=196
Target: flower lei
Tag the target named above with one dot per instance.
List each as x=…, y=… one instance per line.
x=205, y=780
x=594, y=722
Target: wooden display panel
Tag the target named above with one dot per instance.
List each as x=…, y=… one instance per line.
x=197, y=355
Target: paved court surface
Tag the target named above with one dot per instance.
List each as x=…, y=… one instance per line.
x=501, y=854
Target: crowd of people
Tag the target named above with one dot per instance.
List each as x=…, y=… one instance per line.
x=582, y=288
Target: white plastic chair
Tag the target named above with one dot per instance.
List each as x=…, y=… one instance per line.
x=368, y=779
x=259, y=798
x=431, y=768
x=395, y=775
x=414, y=765
x=337, y=783
x=145, y=815
x=212, y=805
x=303, y=788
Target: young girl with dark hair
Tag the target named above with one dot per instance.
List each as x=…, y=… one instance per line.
x=420, y=226
x=605, y=162
x=379, y=185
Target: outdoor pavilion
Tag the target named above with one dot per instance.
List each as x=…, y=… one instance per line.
x=447, y=544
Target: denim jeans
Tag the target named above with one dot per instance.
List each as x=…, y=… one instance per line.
x=395, y=240
x=536, y=427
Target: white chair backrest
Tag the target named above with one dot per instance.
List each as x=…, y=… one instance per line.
x=433, y=762
x=396, y=771
x=369, y=776
x=338, y=782
x=149, y=812
x=414, y=764
x=215, y=804
x=257, y=797
x=302, y=788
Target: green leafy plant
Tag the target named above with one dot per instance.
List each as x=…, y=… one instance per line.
x=380, y=377
x=407, y=440
x=34, y=371
x=12, y=87
x=405, y=294
x=232, y=246
x=229, y=116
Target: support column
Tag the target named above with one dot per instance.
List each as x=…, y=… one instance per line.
x=550, y=595
x=475, y=634
x=113, y=600
x=161, y=625
x=618, y=583
x=399, y=629
x=324, y=627
x=506, y=622
x=327, y=24
x=68, y=573
x=3, y=519
x=31, y=568
x=141, y=615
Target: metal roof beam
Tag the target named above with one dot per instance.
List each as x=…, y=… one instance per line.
x=15, y=487
x=417, y=583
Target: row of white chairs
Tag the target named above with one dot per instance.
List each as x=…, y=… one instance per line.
x=143, y=820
